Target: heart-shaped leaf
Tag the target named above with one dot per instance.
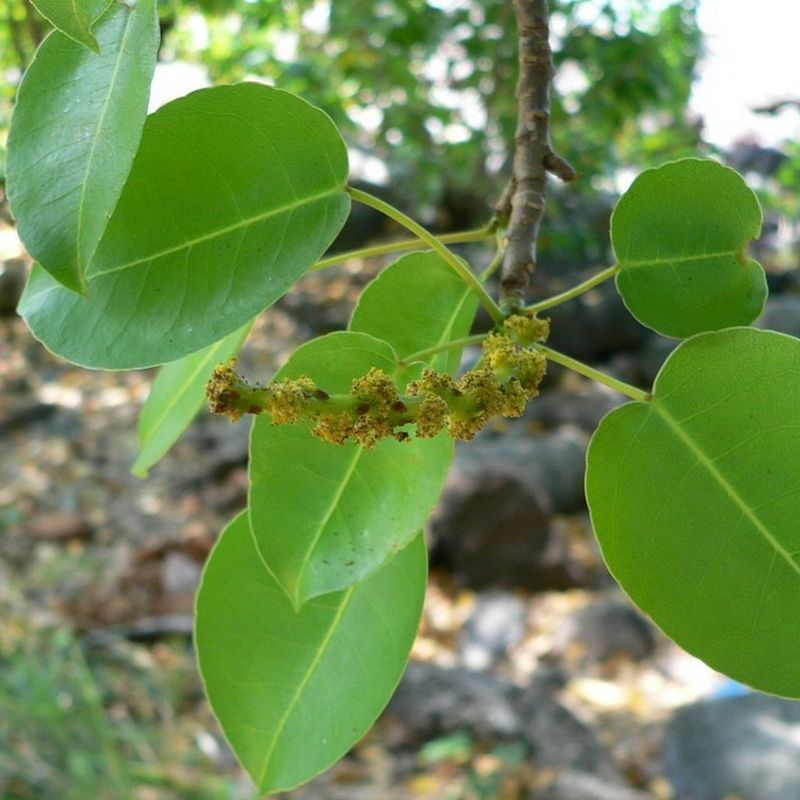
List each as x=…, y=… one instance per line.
x=325, y=516
x=177, y=394
x=234, y=193
x=74, y=18
x=415, y=304
x=680, y=234
x=294, y=691
x=74, y=133
x=695, y=499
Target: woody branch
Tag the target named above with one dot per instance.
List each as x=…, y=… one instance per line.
x=534, y=156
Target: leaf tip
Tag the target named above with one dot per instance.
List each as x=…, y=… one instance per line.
x=71, y=279
x=140, y=469
x=92, y=44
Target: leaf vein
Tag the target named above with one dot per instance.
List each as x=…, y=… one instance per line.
x=256, y=218
x=726, y=486
x=309, y=673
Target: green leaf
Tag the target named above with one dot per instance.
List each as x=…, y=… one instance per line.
x=325, y=516
x=695, y=499
x=74, y=18
x=680, y=234
x=177, y=394
x=234, y=193
x=415, y=304
x=74, y=134
x=294, y=691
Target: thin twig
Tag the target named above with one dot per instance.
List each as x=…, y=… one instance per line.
x=574, y=291
x=457, y=237
x=634, y=392
x=533, y=154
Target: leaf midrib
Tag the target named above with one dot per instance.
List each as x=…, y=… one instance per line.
x=732, y=493
x=649, y=262
x=83, y=20
x=95, y=139
x=243, y=223
x=312, y=668
x=324, y=523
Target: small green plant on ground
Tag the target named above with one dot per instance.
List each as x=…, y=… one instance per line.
x=158, y=238
x=58, y=737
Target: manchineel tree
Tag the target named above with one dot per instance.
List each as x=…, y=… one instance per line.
x=310, y=601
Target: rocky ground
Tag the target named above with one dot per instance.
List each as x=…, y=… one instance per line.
x=532, y=676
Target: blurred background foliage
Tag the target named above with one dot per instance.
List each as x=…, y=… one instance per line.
x=423, y=92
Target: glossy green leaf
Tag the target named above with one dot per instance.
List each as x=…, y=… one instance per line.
x=235, y=191
x=695, y=498
x=177, y=394
x=294, y=691
x=74, y=134
x=680, y=234
x=74, y=18
x=325, y=516
x=415, y=304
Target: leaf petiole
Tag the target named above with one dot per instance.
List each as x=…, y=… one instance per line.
x=497, y=260
x=440, y=348
x=435, y=244
x=457, y=237
x=575, y=291
x=590, y=372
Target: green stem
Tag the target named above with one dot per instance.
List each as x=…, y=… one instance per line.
x=440, y=348
x=601, y=377
x=458, y=237
x=497, y=261
x=575, y=291
x=435, y=244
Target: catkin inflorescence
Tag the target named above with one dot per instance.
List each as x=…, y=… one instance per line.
x=504, y=380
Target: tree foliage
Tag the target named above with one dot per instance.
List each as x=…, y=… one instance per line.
x=311, y=598
x=423, y=88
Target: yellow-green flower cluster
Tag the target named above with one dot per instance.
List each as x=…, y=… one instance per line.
x=527, y=329
x=504, y=380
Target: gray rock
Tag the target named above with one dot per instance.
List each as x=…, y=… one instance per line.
x=558, y=739
x=782, y=314
x=582, y=786
x=179, y=573
x=653, y=355
x=432, y=700
x=26, y=415
x=12, y=281
x=606, y=629
x=746, y=746
x=492, y=525
x=497, y=622
x=595, y=325
x=217, y=447
x=551, y=464
x=491, y=528
x=584, y=409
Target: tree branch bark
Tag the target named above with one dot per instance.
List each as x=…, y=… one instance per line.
x=534, y=156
